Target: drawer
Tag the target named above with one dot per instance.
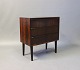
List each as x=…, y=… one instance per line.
x=44, y=30
x=42, y=22
x=38, y=31
x=38, y=23
x=52, y=29
x=35, y=40
x=52, y=22
x=52, y=37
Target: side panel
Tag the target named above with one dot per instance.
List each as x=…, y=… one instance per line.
x=21, y=30
x=25, y=30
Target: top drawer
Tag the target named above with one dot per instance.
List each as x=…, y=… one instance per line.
x=42, y=22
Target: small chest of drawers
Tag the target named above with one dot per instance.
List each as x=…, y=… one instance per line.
x=36, y=31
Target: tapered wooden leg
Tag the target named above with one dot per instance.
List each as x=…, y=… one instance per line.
x=23, y=48
x=46, y=46
x=55, y=46
x=31, y=48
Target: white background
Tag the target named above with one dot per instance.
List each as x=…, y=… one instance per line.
x=67, y=10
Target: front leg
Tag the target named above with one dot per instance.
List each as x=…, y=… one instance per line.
x=31, y=48
x=23, y=48
x=46, y=46
x=55, y=46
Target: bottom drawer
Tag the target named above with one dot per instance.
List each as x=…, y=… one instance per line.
x=37, y=40
x=44, y=39
x=52, y=37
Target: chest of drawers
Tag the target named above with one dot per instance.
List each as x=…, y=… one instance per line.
x=36, y=31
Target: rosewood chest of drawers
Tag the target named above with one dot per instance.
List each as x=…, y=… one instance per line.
x=36, y=31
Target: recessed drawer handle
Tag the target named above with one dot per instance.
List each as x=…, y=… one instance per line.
x=32, y=28
x=32, y=37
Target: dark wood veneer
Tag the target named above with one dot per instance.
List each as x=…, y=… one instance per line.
x=35, y=31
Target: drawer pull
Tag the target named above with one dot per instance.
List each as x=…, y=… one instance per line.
x=32, y=37
x=32, y=28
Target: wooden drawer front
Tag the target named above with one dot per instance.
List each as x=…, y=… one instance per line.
x=36, y=40
x=38, y=31
x=44, y=22
x=52, y=29
x=52, y=22
x=52, y=37
x=44, y=30
x=37, y=22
